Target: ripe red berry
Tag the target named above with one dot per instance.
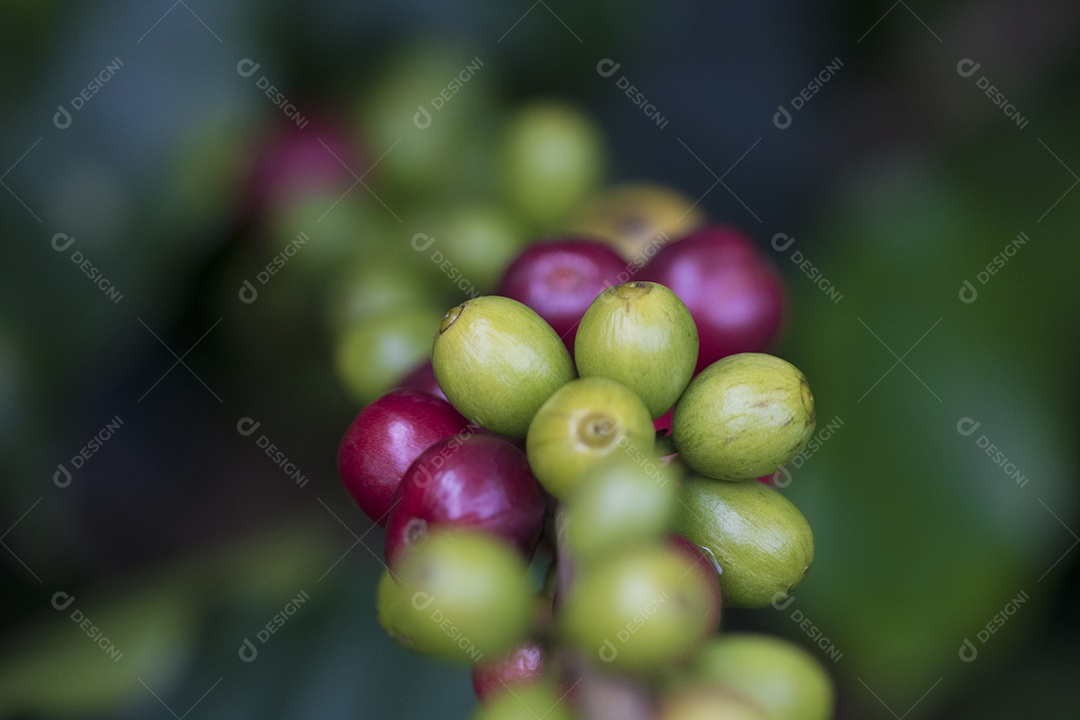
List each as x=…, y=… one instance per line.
x=523, y=665
x=559, y=279
x=383, y=441
x=480, y=482
x=734, y=293
x=297, y=161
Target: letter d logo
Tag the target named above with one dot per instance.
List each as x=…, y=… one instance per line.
x=781, y=600
x=247, y=68
x=62, y=477
x=782, y=118
x=966, y=68
x=968, y=293
x=60, y=603
x=248, y=652
x=64, y=238
x=966, y=426
x=607, y=67
x=62, y=118
x=422, y=600
x=248, y=293
x=245, y=426
x=422, y=118
x=608, y=652
x=968, y=651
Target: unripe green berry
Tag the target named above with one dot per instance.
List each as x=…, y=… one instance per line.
x=641, y=335
x=640, y=611
x=782, y=677
x=449, y=589
x=743, y=417
x=762, y=542
x=626, y=502
x=584, y=422
x=498, y=362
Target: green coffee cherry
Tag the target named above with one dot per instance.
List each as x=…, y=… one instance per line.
x=743, y=417
x=782, y=677
x=763, y=543
x=450, y=587
x=371, y=355
x=638, y=612
x=624, y=503
x=710, y=703
x=528, y=702
x=498, y=362
x=641, y=335
x=585, y=421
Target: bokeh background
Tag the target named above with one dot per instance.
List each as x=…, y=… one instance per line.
x=899, y=180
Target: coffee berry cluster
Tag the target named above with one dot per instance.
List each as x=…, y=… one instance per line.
x=578, y=483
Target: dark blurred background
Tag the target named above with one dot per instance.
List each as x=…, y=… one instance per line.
x=910, y=167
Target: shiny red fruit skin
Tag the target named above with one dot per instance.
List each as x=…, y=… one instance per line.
x=385, y=438
x=423, y=378
x=709, y=572
x=733, y=292
x=480, y=482
x=560, y=278
x=523, y=665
